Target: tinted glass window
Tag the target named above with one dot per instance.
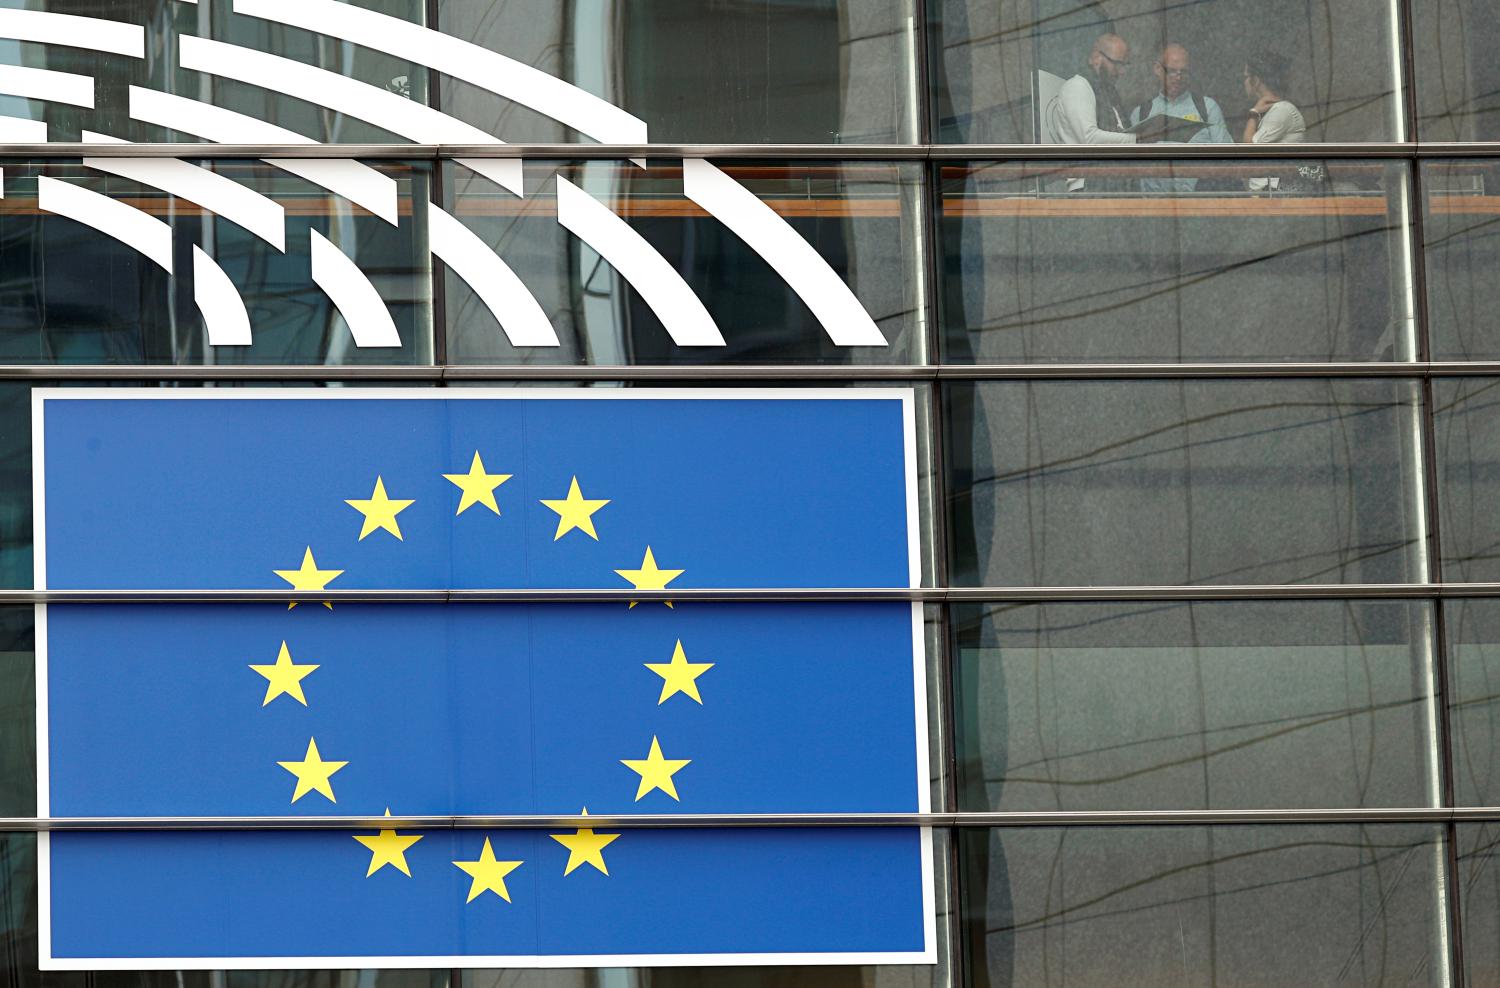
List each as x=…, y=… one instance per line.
x=1175, y=261
x=1195, y=706
x=691, y=290
x=1178, y=482
x=998, y=63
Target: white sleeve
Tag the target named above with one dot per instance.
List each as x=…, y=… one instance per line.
x=1077, y=113
x=1274, y=126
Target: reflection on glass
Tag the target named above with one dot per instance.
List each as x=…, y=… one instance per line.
x=1461, y=233
x=1478, y=882
x=998, y=64
x=1473, y=628
x=791, y=71
x=1183, y=482
x=76, y=294
x=1175, y=261
x=860, y=219
x=170, y=67
x=1466, y=421
x=1273, y=905
x=1457, y=84
x=1194, y=706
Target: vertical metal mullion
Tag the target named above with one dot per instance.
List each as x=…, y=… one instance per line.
x=1407, y=85
x=1433, y=519
x=930, y=214
x=439, y=308
x=925, y=88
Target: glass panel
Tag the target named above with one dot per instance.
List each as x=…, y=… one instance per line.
x=1457, y=82
x=1271, y=905
x=1478, y=882
x=861, y=220
x=999, y=65
x=1237, y=705
x=1473, y=637
x=74, y=294
x=1462, y=242
x=1175, y=261
x=702, y=71
x=1466, y=433
x=268, y=93
x=1183, y=482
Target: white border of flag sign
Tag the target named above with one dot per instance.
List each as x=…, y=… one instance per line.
x=40, y=396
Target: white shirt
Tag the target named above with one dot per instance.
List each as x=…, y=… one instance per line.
x=1282, y=123
x=1074, y=116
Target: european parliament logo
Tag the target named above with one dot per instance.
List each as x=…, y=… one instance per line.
x=454, y=708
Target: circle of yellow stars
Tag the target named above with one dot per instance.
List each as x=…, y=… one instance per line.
x=575, y=513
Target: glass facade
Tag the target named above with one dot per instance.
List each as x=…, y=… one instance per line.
x=1208, y=442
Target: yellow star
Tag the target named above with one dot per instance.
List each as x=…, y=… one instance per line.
x=655, y=771
x=313, y=773
x=575, y=512
x=679, y=675
x=309, y=577
x=488, y=874
x=649, y=576
x=379, y=511
x=478, y=486
x=284, y=677
x=388, y=848
x=585, y=847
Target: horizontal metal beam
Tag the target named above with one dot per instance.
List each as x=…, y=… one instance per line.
x=778, y=372
x=784, y=595
x=658, y=821
x=751, y=152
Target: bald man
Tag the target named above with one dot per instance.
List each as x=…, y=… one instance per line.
x=1087, y=109
x=1177, y=99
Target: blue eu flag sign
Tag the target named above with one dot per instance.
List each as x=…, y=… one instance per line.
x=479, y=709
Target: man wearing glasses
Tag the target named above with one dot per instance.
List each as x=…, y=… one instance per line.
x=1088, y=109
x=1176, y=100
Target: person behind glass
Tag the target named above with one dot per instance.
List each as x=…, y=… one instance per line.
x=1087, y=108
x=1273, y=119
x=1176, y=100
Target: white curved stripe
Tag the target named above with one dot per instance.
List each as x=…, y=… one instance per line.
x=358, y=183
x=508, y=299
x=351, y=292
x=800, y=266
x=47, y=84
x=20, y=130
x=629, y=253
x=73, y=31
x=490, y=71
x=110, y=217
x=387, y=110
x=216, y=193
x=224, y=314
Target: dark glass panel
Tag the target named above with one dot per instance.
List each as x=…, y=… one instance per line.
x=1466, y=423
x=1457, y=84
x=997, y=63
x=1478, y=883
x=1175, y=261
x=1461, y=233
x=703, y=71
x=1473, y=639
x=1269, y=905
x=861, y=220
x=1161, y=705
x=165, y=23
x=1183, y=482
x=75, y=295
